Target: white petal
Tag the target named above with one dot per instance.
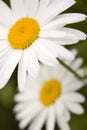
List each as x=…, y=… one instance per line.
x=71, y=36
x=67, y=81
x=75, y=33
x=44, y=54
x=77, y=63
x=28, y=94
x=44, y=71
x=22, y=97
x=3, y=56
x=62, y=36
x=74, y=97
x=51, y=46
x=22, y=72
x=64, y=53
x=68, y=40
x=57, y=73
x=50, y=124
x=6, y=16
x=74, y=51
x=64, y=19
x=3, y=34
x=29, y=117
x=53, y=9
x=74, y=86
x=19, y=107
x=59, y=106
x=32, y=62
x=75, y=108
x=3, y=53
x=3, y=45
x=66, y=115
x=63, y=125
x=33, y=84
x=9, y=66
x=18, y=7
x=2, y=27
x=43, y=4
x=52, y=34
x=81, y=72
x=47, y=56
x=39, y=121
x=30, y=108
x=31, y=6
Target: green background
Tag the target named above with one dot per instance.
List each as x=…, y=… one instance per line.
x=7, y=121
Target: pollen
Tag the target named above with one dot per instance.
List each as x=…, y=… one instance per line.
x=49, y=92
x=23, y=33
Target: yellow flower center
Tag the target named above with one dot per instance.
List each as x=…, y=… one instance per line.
x=50, y=91
x=23, y=33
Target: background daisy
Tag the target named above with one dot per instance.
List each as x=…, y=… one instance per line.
x=33, y=31
x=50, y=98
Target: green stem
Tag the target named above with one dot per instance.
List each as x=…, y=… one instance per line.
x=71, y=70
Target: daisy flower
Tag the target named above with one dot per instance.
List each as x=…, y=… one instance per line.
x=33, y=31
x=50, y=98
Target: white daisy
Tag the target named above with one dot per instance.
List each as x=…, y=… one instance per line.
x=33, y=31
x=49, y=98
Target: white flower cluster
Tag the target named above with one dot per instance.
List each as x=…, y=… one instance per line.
x=33, y=36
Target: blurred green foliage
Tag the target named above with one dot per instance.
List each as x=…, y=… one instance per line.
x=7, y=121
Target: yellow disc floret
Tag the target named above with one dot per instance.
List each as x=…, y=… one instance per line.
x=23, y=33
x=50, y=91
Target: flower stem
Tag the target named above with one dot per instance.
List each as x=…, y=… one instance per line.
x=71, y=70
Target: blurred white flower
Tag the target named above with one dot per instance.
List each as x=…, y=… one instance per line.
x=50, y=98
x=32, y=31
